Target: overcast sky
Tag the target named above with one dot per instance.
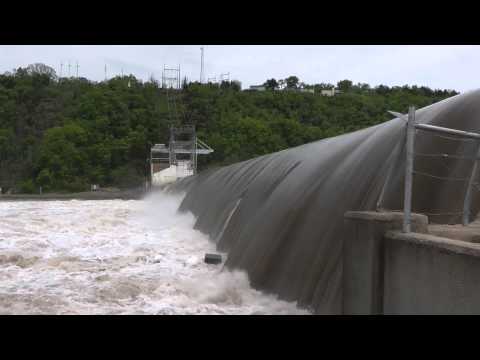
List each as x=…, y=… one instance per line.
x=445, y=67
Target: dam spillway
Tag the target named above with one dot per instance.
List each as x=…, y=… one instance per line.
x=280, y=216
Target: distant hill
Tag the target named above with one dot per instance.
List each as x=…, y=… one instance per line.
x=65, y=134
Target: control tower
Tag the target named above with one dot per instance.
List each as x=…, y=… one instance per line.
x=179, y=158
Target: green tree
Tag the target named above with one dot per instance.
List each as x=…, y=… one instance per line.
x=292, y=82
x=41, y=69
x=344, y=85
x=271, y=84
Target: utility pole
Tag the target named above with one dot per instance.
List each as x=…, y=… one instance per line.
x=77, y=69
x=69, y=69
x=61, y=69
x=105, y=72
x=409, y=150
x=201, y=66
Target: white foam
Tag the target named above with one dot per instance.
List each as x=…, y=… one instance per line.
x=116, y=257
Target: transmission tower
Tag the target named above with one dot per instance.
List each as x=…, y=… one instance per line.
x=171, y=78
x=224, y=77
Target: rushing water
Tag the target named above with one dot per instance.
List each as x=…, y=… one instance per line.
x=281, y=216
x=116, y=257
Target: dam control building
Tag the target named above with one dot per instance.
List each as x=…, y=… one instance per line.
x=179, y=158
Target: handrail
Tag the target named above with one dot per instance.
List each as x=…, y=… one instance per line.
x=409, y=171
x=202, y=144
x=449, y=131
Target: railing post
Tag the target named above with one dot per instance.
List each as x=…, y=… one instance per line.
x=468, y=194
x=409, y=149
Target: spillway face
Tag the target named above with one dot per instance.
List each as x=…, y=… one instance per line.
x=280, y=216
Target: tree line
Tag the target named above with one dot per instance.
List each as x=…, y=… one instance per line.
x=64, y=134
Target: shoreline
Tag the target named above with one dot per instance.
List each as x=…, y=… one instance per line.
x=136, y=194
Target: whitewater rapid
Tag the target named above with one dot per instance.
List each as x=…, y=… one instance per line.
x=116, y=257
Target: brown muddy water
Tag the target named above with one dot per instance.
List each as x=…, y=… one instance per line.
x=116, y=257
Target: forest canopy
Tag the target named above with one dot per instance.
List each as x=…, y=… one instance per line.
x=64, y=134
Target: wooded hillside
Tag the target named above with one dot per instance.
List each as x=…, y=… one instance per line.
x=65, y=134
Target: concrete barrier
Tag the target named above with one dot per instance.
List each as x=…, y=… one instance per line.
x=363, y=254
x=426, y=274
x=386, y=271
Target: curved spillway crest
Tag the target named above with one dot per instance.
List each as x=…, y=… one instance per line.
x=280, y=216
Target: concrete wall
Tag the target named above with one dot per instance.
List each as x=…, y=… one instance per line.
x=363, y=258
x=386, y=271
x=426, y=274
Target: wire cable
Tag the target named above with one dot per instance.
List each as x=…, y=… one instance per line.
x=447, y=156
x=443, y=214
x=429, y=214
x=439, y=177
x=448, y=137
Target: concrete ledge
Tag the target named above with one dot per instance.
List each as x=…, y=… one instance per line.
x=449, y=245
x=383, y=216
x=419, y=221
x=470, y=233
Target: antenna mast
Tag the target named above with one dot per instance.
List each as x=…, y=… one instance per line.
x=201, y=67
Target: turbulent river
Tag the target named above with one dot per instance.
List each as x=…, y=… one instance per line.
x=116, y=257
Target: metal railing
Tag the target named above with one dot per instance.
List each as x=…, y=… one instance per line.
x=409, y=165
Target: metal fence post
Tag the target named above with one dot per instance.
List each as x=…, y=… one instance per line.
x=409, y=149
x=468, y=194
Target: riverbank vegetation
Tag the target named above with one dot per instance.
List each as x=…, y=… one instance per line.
x=65, y=134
